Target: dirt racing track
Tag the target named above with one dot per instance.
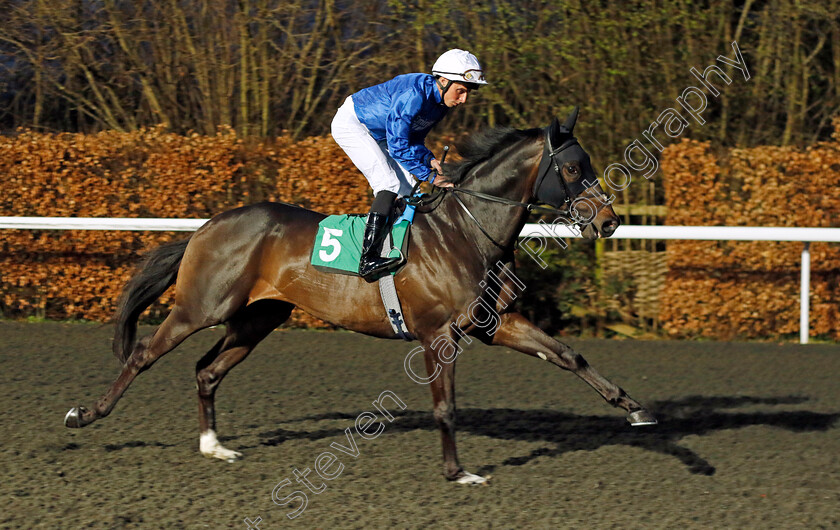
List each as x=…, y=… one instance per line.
x=749, y=437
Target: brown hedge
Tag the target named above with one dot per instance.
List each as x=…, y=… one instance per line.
x=147, y=173
x=721, y=290
x=750, y=289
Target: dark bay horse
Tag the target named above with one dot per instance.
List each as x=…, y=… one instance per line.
x=249, y=267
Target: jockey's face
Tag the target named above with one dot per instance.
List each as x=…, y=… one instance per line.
x=456, y=95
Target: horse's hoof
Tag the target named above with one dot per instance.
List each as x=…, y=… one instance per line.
x=641, y=417
x=223, y=454
x=211, y=448
x=73, y=418
x=469, y=478
x=233, y=456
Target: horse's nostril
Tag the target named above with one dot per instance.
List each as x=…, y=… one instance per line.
x=608, y=228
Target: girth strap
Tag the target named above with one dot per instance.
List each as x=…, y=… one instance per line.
x=388, y=291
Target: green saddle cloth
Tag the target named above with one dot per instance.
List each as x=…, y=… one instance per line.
x=338, y=244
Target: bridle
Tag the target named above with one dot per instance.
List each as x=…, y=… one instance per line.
x=548, y=162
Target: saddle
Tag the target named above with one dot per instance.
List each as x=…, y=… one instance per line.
x=337, y=249
x=338, y=244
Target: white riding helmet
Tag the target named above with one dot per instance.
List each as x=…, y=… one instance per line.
x=459, y=65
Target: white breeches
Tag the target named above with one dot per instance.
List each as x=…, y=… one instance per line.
x=371, y=157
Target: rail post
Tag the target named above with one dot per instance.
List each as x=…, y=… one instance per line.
x=805, y=292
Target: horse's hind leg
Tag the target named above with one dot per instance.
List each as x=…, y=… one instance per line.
x=174, y=329
x=518, y=333
x=244, y=330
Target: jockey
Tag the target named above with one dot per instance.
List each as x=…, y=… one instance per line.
x=383, y=129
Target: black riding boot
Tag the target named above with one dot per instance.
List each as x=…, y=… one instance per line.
x=372, y=263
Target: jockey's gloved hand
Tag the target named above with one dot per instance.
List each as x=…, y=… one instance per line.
x=441, y=181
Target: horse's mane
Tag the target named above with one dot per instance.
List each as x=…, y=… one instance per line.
x=479, y=147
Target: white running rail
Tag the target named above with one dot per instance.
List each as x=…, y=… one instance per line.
x=712, y=233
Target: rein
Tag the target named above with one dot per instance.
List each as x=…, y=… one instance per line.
x=531, y=207
x=492, y=198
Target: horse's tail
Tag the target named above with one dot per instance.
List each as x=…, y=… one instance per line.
x=159, y=271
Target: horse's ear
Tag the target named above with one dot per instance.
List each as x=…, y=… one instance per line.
x=571, y=119
x=555, y=130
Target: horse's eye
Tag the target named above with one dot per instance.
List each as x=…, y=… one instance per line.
x=573, y=171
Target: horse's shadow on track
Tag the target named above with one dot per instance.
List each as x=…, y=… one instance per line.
x=693, y=415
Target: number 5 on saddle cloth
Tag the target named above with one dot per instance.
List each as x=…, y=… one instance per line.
x=338, y=244
x=338, y=249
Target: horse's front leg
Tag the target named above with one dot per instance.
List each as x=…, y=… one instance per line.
x=516, y=332
x=439, y=355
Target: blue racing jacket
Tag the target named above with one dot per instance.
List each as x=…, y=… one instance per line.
x=403, y=111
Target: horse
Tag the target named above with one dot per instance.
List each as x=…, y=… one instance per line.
x=247, y=268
